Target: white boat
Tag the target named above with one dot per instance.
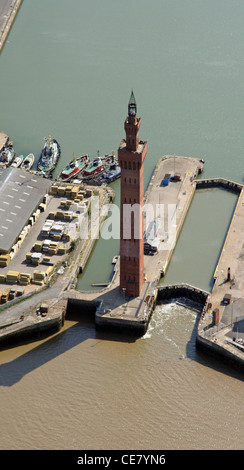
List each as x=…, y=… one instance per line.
x=28, y=162
x=17, y=161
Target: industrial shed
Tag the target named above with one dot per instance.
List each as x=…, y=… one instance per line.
x=21, y=193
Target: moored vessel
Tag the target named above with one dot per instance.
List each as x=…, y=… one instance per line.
x=113, y=172
x=74, y=167
x=28, y=162
x=17, y=161
x=96, y=166
x=49, y=156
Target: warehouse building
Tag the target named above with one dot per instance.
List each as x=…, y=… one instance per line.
x=21, y=193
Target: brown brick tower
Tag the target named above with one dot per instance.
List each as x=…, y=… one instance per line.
x=131, y=156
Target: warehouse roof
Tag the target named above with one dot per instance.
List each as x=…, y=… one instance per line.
x=20, y=194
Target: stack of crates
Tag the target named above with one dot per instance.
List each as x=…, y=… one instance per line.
x=68, y=204
x=80, y=196
x=20, y=291
x=68, y=190
x=63, y=205
x=42, y=207
x=61, y=250
x=61, y=190
x=36, y=259
x=53, y=247
x=38, y=278
x=12, y=294
x=28, y=257
x=4, y=297
x=24, y=279
x=38, y=247
x=47, y=227
x=60, y=215
x=89, y=192
x=68, y=216
x=4, y=260
x=2, y=278
x=50, y=247
x=57, y=237
x=12, y=277
x=57, y=229
x=53, y=190
x=46, y=245
x=74, y=192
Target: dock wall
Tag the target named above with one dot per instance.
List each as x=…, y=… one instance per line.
x=227, y=235
x=217, y=349
x=81, y=306
x=179, y=228
x=28, y=329
x=14, y=7
x=182, y=290
x=219, y=183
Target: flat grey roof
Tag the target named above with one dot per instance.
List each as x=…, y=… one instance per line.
x=20, y=194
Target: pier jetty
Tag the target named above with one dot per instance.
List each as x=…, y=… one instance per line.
x=221, y=326
x=8, y=12
x=113, y=309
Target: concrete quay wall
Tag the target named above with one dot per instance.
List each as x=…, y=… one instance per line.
x=8, y=13
x=183, y=290
x=219, y=183
x=32, y=326
x=216, y=348
x=215, y=333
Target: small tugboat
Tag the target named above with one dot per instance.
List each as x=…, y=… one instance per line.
x=74, y=167
x=49, y=156
x=17, y=161
x=113, y=172
x=96, y=166
x=28, y=162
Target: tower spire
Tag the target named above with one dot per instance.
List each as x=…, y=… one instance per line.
x=132, y=108
x=132, y=125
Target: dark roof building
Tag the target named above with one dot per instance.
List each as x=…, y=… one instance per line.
x=21, y=193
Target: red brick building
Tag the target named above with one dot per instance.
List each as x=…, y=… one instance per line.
x=131, y=156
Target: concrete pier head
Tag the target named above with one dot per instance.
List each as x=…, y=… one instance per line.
x=116, y=308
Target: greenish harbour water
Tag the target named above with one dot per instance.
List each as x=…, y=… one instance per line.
x=67, y=69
